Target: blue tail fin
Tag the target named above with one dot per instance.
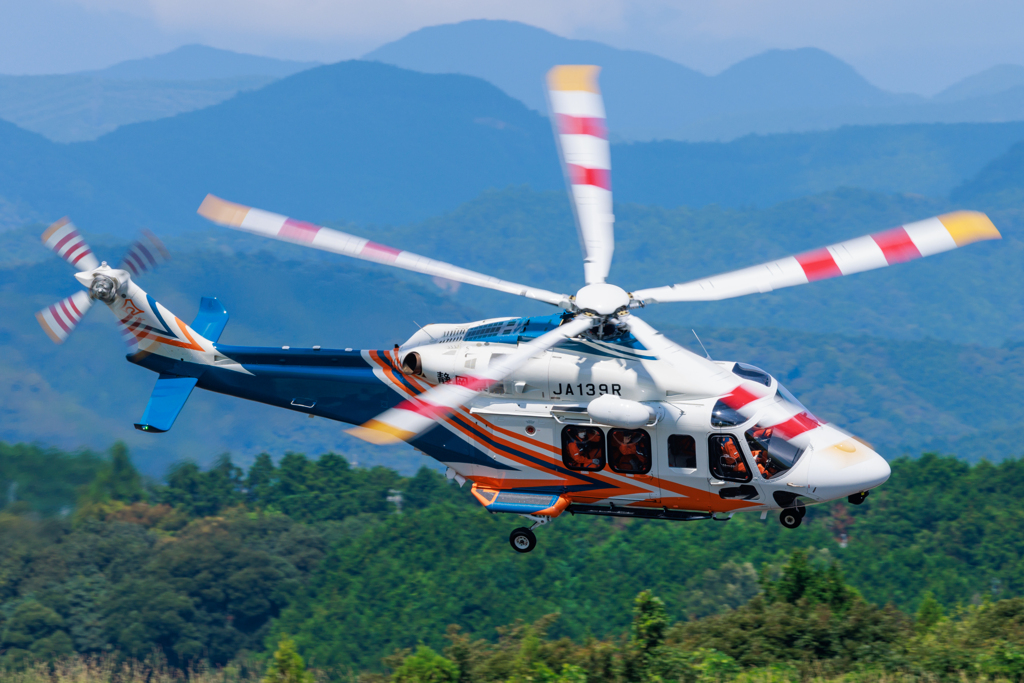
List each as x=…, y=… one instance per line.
x=168, y=399
x=172, y=391
x=211, y=318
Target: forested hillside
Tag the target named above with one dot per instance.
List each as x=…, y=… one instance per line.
x=218, y=564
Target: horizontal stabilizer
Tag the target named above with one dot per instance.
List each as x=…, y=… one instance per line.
x=168, y=399
x=211, y=318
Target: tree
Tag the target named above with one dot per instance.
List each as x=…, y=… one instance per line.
x=259, y=484
x=287, y=665
x=928, y=614
x=426, y=666
x=117, y=480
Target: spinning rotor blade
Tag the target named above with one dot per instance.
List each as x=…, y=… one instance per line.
x=60, y=319
x=63, y=239
x=415, y=416
x=577, y=113
x=145, y=253
x=789, y=421
x=288, y=230
x=911, y=241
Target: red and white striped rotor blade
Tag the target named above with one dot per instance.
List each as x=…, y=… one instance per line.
x=904, y=243
x=411, y=418
x=577, y=114
x=63, y=239
x=791, y=422
x=60, y=319
x=298, y=232
x=145, y=253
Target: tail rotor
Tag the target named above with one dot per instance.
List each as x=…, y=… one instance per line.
x=59, y=320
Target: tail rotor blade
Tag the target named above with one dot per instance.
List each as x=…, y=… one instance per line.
x=145, y=253
x=577, y=113
x=413, y=417
x=63, y=239
x=60, y=319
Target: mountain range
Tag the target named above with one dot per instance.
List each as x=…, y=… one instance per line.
x=85, y=105
x=649, y=97
x=372, y=143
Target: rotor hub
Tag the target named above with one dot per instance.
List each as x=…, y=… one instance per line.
x=602, y=299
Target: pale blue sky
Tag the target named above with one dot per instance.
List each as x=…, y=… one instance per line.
x=910, y=45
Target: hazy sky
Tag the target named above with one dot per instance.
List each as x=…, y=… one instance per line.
x=904, y=45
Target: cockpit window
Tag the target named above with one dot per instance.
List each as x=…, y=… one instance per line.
x=772, y=454
x=724, y=416
x=754, y=374
x=788, y=395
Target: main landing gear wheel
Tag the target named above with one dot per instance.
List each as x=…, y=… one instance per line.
x=791, y=518
x=858, y=498
x=522, y=540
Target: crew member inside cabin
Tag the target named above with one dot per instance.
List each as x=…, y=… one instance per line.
x=732, y=459
x=584, y=448
x=756, y=439
x=629, y=452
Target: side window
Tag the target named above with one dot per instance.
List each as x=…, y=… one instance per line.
x=583, y=448
x=726, y=459
x=682, y=451
x=629, y=451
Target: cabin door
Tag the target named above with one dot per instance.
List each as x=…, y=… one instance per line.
x=683, y=461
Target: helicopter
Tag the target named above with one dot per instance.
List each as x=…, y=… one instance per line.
x=588, y=411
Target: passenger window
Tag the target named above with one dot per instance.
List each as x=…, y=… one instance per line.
x=682, y=451
x=629, y=451
x=726, y=458
x=772, y=455
x=583, y=448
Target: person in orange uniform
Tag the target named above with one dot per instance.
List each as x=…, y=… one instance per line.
x=627, y=445
x=732, y=459
x=585, y=448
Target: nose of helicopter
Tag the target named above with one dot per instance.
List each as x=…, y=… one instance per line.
x=846, y=468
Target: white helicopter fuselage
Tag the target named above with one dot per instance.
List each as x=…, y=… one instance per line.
x=610, y=386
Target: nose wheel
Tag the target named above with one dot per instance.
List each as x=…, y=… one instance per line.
x=858, y=498
x=522, y=540
x=792, y=517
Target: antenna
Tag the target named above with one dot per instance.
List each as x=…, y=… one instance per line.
x=423, y=330
x=701, y=343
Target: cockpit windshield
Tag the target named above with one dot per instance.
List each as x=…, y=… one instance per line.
x=788, y=395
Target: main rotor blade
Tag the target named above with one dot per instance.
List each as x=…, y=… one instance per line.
x=577, y=114
x=145, y=253
x=63, y=239
x=911, y=241
x=415, y=416
x=59, y=320
x=791, y=422
x=289, y=230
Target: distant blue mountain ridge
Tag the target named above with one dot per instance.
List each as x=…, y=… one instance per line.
x=85, y=105
x=649, y=97
x=371, y=143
